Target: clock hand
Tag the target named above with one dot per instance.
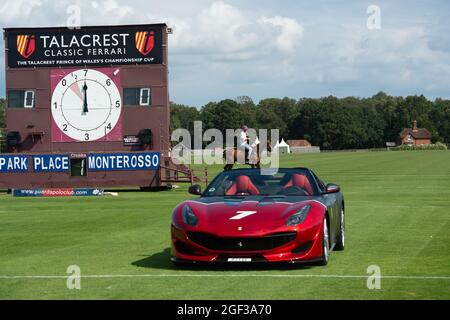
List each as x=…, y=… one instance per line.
x=85, y=104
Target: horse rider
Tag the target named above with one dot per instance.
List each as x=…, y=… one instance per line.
x=244, y=143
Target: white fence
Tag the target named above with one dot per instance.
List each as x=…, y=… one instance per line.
x=305, y=149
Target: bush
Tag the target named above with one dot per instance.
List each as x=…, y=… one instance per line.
x=405, y=147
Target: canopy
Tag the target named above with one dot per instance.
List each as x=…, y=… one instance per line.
x=282, y=147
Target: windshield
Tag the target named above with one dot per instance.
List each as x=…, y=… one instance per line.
x=286, y=182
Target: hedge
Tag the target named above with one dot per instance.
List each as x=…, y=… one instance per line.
x=405, y=147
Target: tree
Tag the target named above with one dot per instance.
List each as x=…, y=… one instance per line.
x=310, y=122
x=269, y=119
x=183, y=116
x=248, y=112
x=440, y=116
x=282, y=112
x=2, y=113
x=328, y=122
x=227, y=114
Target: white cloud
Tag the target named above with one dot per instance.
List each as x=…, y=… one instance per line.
x=110, y=9
x=13, y=10
x=225, y=32
x=221, y=49
x=290, y=32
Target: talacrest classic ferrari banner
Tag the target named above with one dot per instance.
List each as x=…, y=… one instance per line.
x=88, y=46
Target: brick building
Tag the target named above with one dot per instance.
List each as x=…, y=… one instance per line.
x=415, y=135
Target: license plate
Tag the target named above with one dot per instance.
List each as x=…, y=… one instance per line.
x=239, y=259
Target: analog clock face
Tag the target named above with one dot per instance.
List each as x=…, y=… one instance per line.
x=86, y=105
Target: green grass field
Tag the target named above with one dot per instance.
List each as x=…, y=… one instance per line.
x=398, y=217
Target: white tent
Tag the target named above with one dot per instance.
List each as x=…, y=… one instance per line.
x=282, y=147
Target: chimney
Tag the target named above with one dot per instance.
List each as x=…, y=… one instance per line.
x=414, y=125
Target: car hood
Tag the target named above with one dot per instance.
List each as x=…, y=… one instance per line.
x=247, y=216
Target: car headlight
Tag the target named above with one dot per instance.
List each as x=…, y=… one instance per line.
x=299, y=216
x=188, y=216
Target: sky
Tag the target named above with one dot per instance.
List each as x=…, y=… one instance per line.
x=260, y=48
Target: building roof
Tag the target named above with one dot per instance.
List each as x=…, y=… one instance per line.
x=299, y=143
x=419, y=133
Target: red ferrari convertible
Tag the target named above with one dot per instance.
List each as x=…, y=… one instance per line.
x=249, y=215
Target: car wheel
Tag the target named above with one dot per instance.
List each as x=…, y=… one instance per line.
x=340, y=243
x=325, y=243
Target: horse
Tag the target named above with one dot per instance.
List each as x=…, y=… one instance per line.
x=234, y=154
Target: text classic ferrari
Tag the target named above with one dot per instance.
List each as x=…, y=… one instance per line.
x=246, y=215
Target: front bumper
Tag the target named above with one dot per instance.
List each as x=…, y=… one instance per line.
x=305, y=246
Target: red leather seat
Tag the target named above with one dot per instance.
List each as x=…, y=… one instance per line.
x=242, y=185
x=299, y=180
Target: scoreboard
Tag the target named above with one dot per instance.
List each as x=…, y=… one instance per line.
x=86, y=107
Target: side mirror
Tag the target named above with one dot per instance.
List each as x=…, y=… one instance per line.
x=195, y=189
x=332, y=188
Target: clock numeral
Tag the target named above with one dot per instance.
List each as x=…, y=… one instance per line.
x=108, y=82
x=86, y=136
x=64, y=127
x=109, y=127
x=64, y=82
x=56, y=105
x=74, y=76
x=118, y=104
x=85, y=72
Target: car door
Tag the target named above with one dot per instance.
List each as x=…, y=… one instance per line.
x=333, y=213
x=331, y=201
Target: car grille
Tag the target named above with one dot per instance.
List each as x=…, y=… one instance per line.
x=242, y=243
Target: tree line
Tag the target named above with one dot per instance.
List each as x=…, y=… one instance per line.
x=329, y=122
